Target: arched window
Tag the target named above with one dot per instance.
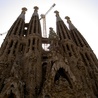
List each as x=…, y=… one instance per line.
x=12, y=95
x=61, y=73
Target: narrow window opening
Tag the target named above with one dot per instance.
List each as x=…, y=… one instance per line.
x=22, y=47
x=33, y=41
x=29, y=42
x=83, y=58
x=8, y=51
x=87, y=57
x=67, y=47
x=38, y=44
x=11, y=44
x=12, y=95
x=25, y=91
x=70, y=54
x=16, y=44
x=33, y=48
x=25, y=28
x=24, y=35
x=72, y=48
x=47, y=96
x=2, y=86
x=44, y=66
x=63, y=48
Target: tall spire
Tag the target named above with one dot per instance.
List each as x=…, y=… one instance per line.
x=57, y=15
x=22, y=15
x=34, y=25
x=76, y=35
x=17, y=29
x=62, y=29
x=71, y=26
x=35, y=11
x=18, y=26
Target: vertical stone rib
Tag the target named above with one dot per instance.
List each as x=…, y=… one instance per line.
x=62, y=29
x=77, y=37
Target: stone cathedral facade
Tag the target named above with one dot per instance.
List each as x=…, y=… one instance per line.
x=69, y=69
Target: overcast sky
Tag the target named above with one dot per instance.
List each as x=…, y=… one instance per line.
x=83, y=14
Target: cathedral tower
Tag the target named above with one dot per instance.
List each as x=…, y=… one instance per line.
x=68, y=69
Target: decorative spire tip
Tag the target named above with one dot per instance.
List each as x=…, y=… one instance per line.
x=68, y=18
x=51, y=28
x=36, y=8
x=57, y=13
x=24, y=9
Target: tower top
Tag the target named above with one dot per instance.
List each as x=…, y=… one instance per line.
x=71, y=26
x=57, y=15
x=24, y=9
x=22, y=15
x=68, y=19
x=36, y=8
x=35, y=11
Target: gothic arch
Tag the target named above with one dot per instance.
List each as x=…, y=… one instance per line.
x=10, y=89
x=11, y=95
x=66, y=67
x=61, y=73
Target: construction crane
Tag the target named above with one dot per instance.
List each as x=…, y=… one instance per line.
x=43, y=16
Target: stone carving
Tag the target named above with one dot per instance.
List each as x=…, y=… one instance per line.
x=61, y=62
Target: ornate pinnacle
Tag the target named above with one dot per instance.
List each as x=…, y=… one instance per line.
x=57, y=13
x=68, y=19
x=35, y=11
x=24, y=9
x=71, y=26
x=36, y=8
x=51, y=28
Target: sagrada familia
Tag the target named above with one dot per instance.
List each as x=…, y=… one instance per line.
x=69, y=69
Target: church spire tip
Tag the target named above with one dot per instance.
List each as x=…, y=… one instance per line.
x=35, y=11
x=71, y=26
x=57, y=15
x=36, y=8
x=22, y=15
x=68, y=19
x=24, y=9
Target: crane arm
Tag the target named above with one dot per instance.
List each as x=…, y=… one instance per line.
x=50, y=9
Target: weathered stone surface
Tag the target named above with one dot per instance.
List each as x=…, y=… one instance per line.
x=68, y=70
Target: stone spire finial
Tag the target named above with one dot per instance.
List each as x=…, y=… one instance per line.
x=57, y=15
x=68, y=19
x=35, y=10
x=51, y=28
x=24, y=9
x=71, y=26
